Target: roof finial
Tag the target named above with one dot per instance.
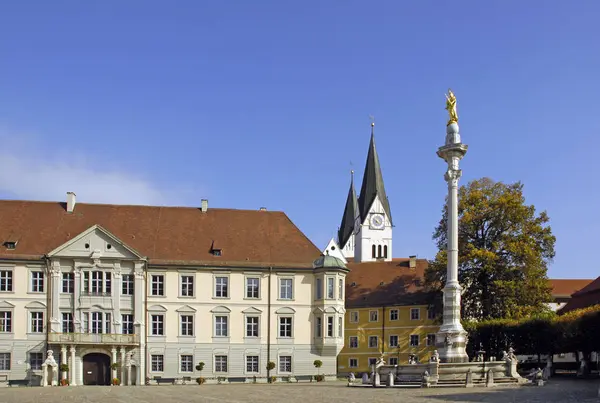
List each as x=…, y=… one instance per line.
x=372, y=118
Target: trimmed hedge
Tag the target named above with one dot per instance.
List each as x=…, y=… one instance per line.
x=576, y=331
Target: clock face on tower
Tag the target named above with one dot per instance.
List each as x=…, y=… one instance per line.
x=377, y=221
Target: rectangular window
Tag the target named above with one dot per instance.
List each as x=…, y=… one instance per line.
x=393, y=361
x=252, y=363
x=158, y=285
x=431, y=314
x=394, y=314
x=252, y=287
x=67, y=323
x=414, y=340
x=222, y=287
x=107, y=323
x=187, y=363
x=86, y=282
x=187, y=325
x=353, y=341
x=158, y=325
x=340, y=289
x=373, y=341
x=127, y=284
x=330, y=288
x=285, y=288
x=4, y=361
x=6, y=280
x=5, y=322
x=68, y=283
x=415, y=314
x=330, y=326
x=127, y=323
x=354, y=317
x=340, y=326
x=285, y=326
x=353, y=362
x=157, y=363
x=107, y=283
x=220, y=363
x=393, y=340
x=431, y=339
x=36, y=360
x=37, y=281
x=251, y=326
x=187, y=286
x=285, y=363
x=97, y=281
x=319, y=288
x=221, y=329
x=373, y=316
x=85, y=326
x=96, y=322
x=318, y=326
x=372, y=361
x=37, y=322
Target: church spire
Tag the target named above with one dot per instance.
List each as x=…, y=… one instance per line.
x=349, y=217
x=372, y=185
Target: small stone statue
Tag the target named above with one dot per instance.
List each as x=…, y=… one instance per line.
x=504, y=356
x=511, y=354
x=435, y=357
x=351, y=378
x=447, y=340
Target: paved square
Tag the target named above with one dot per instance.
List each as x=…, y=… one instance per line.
x=334, y=392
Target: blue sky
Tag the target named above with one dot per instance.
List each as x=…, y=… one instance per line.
x=267, y=103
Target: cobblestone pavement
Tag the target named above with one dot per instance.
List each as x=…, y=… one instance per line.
x=564, y=391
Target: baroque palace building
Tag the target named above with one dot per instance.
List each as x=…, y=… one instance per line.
x=157, y=290
x=387, y=311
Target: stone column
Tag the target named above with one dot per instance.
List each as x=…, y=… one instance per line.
x=113, y=360
x=72, y=368
x=63, y=360
x=116, y=296
x=452, y=338
x=122, y=365
x=56, y=287
x=140, y=319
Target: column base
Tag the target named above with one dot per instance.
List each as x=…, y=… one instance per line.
x=451, y=346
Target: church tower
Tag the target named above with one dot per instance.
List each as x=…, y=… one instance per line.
x=346, y=231
x=373, y=223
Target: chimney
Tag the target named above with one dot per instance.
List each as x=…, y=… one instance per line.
x=204, y=207
x=263, y=209
x=412, y=263
x=70, y=202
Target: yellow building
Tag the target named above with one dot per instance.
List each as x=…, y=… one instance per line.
x=386, y=313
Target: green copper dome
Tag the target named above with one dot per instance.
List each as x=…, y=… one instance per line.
x=328, y=261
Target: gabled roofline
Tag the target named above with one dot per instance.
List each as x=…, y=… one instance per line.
x=89, y=231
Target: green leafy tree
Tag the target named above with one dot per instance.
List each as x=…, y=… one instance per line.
x=504, y=249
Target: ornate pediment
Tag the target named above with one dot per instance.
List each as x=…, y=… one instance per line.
x=96, y=243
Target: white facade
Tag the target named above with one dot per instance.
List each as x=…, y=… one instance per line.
x=373, y=236
x=94, y=297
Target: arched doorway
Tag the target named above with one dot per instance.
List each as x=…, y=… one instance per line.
x=96, y=369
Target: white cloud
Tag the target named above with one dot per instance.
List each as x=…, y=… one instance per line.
x=30, y=174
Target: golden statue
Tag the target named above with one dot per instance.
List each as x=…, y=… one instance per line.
x=451, y=107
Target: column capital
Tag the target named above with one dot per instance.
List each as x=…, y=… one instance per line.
x=452, y=176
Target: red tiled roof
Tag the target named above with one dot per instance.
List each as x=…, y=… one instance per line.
x=567, y=287
x=179, y=235
x=587, y=296
x=385, y=283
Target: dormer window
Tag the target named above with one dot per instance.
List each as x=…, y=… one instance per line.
x=10, y=244
x=215, y=249
x=353, y=284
